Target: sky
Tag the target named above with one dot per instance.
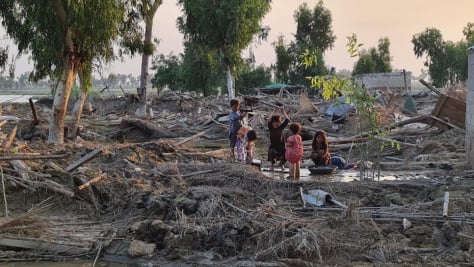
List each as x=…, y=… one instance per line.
x=370, y=20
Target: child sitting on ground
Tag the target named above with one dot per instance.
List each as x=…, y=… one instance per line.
x=320, y=149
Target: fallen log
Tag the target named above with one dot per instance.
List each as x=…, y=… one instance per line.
x=148, y=128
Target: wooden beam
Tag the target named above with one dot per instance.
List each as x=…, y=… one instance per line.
x=42, y=245
x=83, y=160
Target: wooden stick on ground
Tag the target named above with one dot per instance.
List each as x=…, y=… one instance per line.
x=4, y=193
x=90, y=182
x=33, y=110
x=11, y=137
x=445, y=204
x=191, y=138
x=83, y=160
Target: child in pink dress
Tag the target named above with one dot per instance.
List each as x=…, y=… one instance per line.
x=294, y=151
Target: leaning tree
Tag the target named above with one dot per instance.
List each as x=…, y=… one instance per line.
x=63, y=38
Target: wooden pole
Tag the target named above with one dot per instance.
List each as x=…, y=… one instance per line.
x=470, y=110
x=445, y=204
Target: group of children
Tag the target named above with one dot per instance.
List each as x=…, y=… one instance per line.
x=243, y=138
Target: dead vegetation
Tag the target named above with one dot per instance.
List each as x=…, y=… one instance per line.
x=161, y=190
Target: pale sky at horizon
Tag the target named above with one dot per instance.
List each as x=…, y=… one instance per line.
x=370, y=20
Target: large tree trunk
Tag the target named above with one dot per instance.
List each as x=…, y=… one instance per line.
x=148, y=16
x=230, y=83
x=61, y=97
x=470, y=111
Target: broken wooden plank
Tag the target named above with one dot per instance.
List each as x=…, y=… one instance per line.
x=191, y=138
x=429, y=86
x=451, y=110
x=83, y=160
x=42, y=245
x=33, y=157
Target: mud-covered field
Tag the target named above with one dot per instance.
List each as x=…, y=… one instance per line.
x=161, y=191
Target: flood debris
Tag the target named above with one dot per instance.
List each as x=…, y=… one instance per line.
x=163, y=190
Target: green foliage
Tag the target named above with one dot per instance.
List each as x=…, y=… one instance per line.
x=376, y=60
x=365, y=102
x=168, y=72
x=251, y=77
x=201, y=69
x=198, y=69
x=313, y=35
x=446, y=60
x=40, y=27
x=224, y=26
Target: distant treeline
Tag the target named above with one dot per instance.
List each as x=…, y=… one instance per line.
x=125, y=81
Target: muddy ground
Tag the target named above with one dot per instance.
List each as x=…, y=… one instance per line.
x=163, y=192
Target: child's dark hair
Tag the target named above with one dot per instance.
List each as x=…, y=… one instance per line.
x=251, y=135
x=234, y=102
x=322, y=134
x=295, y=127
x=275, y=118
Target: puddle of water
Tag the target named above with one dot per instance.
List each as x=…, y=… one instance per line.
x=341, y=175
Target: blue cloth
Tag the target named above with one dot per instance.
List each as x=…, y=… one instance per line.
x=339, y=162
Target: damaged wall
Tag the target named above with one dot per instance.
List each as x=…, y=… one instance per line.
x=391, y=80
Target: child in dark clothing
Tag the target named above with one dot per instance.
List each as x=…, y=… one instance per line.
x=235, y=122
x=277, y=149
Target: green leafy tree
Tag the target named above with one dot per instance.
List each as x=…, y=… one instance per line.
x=146, y=10
x=63, y=38
x=201, y=70
x=283, y=61
x=227, y=27
x=313, y=33
x=167, y=72
x=446, y=60
x=251, y=76
x=376, y=60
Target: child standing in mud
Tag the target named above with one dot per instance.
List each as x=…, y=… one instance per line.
x=245, y=145
x=294, y=151
x=320, y=149
x=276, y=150
x=235, y=123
